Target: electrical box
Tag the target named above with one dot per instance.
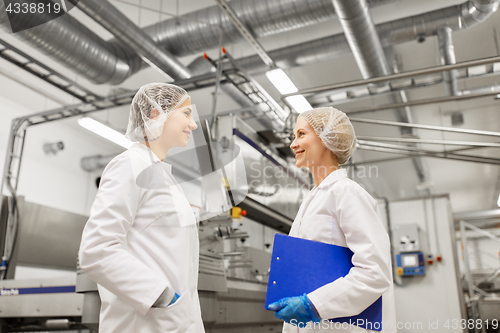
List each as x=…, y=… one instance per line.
x=409, y=260
x=407, y=235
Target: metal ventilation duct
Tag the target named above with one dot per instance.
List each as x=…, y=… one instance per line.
x=129, y=34
x=447, y=53
x=367, y=49
x=360, y=32
x=200, y=30
x=72, y=44
x=458, y=17
x=78, y=48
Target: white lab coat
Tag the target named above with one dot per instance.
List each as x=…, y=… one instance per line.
x=341, y=212
x=142, y=238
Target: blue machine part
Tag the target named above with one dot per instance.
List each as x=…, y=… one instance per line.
x=39, y=290
x=411, y=263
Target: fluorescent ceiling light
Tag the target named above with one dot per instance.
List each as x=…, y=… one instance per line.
x=281, y=81
x=496, y=67
x=477, y=70
x=299, y=103
x=105, y=131
x=339, y=96
x=498, y=202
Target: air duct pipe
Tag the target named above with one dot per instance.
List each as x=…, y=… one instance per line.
x=129, y=34
x=367, y=49
x=447, y=55
x=362, y=37
x=78, y=48
x=458, y=17
x=72, y=44
x=200, y=30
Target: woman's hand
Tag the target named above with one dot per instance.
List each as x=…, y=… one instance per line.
x=295, y=310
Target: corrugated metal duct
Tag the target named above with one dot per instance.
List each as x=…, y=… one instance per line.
x=367, y=49
x=458, y=17
x=362, y=37
x=78, y=48
x=447, y=54
x=75, y=46
x=129, y=34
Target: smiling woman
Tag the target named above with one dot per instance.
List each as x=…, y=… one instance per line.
x=337, y=211
x=323, y=139
x=176, y=130
x=140, y=244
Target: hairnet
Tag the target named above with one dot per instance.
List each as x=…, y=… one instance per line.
x=334, y=129
x=163, y=97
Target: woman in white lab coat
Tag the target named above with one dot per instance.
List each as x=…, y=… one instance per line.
x=337, y=211
x=140, y=244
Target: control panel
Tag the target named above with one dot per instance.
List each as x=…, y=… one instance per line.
x=409, y=264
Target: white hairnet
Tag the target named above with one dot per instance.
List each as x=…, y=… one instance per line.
x=163, y=97
x=334, y=129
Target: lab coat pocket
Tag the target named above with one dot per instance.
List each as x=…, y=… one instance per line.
x=174, y=318
x=318, y=228
x=172, y=209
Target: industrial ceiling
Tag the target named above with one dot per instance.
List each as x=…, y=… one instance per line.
x=99, y=45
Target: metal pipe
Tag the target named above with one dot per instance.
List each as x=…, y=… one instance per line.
x=477, y=215
x=200, y=30
x=367, y=49
x=458, y=17
x=482, y=232
x=425, y=141
x=447, y=52
x=398, y=76
x=362, y=37
x=422, y=102
x=112, y=62
x=129, y=34
x=413, y=86
x=428, y=152
x=246, y=33
x=465, y=158
x=468, y=273
x=75, y=46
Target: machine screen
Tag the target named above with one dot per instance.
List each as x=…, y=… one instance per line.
x=410, y=261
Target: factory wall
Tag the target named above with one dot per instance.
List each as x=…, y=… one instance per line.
x=53, y=180
x=439, y=285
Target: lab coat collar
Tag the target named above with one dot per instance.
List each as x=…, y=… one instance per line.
x=149, y=155
x=333, y=177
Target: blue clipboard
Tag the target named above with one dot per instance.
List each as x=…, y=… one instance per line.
x=301, y=266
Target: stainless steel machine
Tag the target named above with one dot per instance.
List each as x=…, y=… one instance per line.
x=233, y=275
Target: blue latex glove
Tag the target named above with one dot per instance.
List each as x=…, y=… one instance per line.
x=299, y=309
x=175, y=298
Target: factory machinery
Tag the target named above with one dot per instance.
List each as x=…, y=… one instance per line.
x=480, y=245
x=232, y=274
